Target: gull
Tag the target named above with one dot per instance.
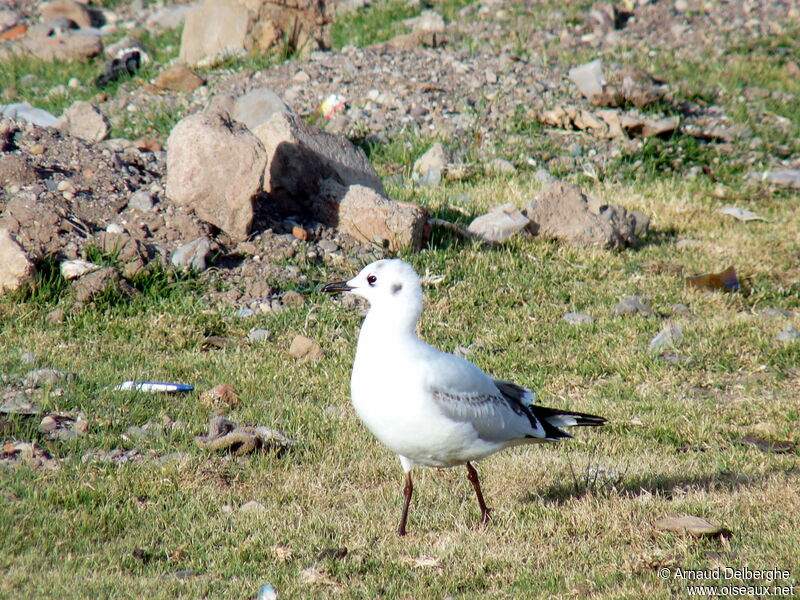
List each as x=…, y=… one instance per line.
x=429, y=407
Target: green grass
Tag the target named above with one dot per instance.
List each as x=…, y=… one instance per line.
x=94, y=529
x=573, y=520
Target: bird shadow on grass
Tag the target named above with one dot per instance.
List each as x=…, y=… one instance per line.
x=594, y=482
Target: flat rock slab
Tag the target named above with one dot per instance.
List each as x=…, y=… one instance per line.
x=499, y=224
x=696, y=526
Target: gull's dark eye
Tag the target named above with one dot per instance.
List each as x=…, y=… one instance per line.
x=371, y=279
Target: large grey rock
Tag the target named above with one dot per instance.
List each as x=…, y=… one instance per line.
x=15, y=267
x=300, y=157
x=370, y=217
x=220, y=27
x=84, y=120
x=499, y=224
x=257, y=106
x=216, y=167
x=563, y=212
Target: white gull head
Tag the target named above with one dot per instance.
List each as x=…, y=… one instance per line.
x=391, y=287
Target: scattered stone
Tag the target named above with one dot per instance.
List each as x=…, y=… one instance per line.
x=742, y=214
x=131, y=253
x=216, y=167
x=254, y=508
x=789, y=334
x=241, y=439
x=305, y=349
x=27, y=453
x=222, y=395
x=499, y=224
x=243, y=313
x=781, y=177
x=431, y=166
x=28, y=358
x=292, y=299
x=72, y=269
x=192, y=255
x=257, y=107
x=563, y=212
x=680, y=309
x=84, y=120
x=692, y=525
x=316, y=576
x=544, y=177
x=765, y=445
x=69, y=45
x=25, y=112
x=500, y=166
x=63, y=426
x=724, y=281
x=16, y=402
x=179, y=78
x=577, y=318
x=99, y=282
x=56, y=316
x=776, y=313
x=300, y=233
x=607, y=123
x=169, y=17
x=259, y=335
x=16, y=269
x=633, y=305
x=589, y=78
x=16, y=171
x=669, y=335
x=46, y=378
x=74, y=11
x=141, y=200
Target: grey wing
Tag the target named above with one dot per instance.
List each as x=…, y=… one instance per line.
x=494, y=416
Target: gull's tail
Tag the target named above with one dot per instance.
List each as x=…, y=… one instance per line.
x=552, y=418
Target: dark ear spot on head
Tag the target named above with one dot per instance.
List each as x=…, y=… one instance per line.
x=396, y=287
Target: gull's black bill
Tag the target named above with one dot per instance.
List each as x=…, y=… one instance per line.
x=335, y=287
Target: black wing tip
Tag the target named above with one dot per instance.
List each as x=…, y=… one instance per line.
x=584, y=420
